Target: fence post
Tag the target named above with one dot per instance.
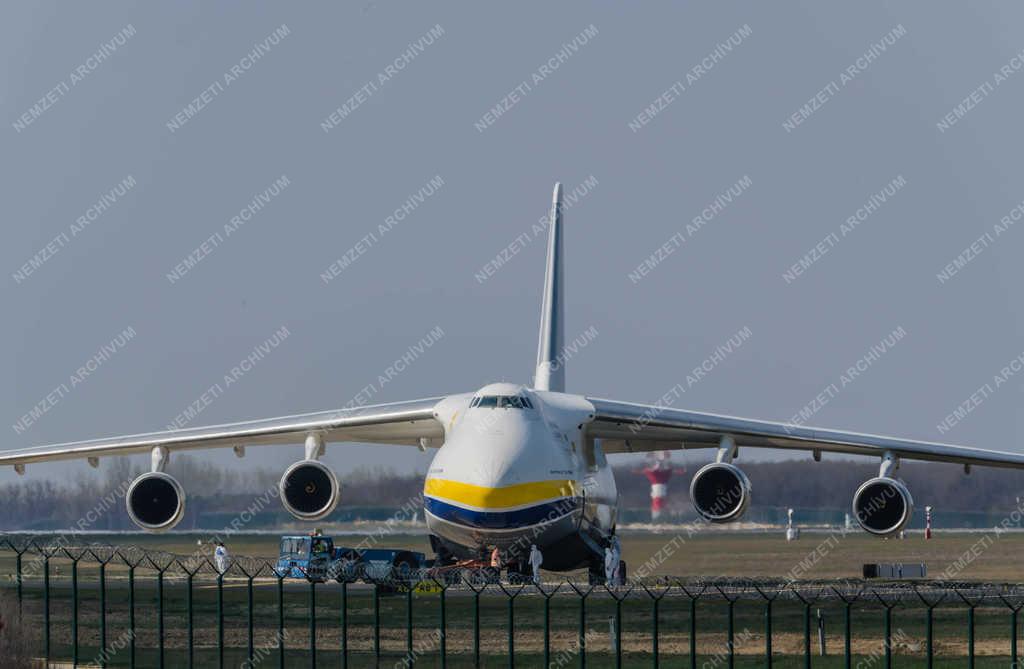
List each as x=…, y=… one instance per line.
x=970, y=637
x=511, y=631
x=767, y=625
x=583, y=594
x=131, y=614
x=160, y=612
x=220, y=619
x=547, y=594
x=930, y=637
x=511, y=595
x=970, y=627
x=618, y=620
x=1014, y=659
x=74, y=607
x=847, y=605
x=190, y=604
x=160, y=569
x=807, y=602
x=408, y=624
x=693, y=633
x=888, y=637
x=693, y=620
x=191, y=622
x=807, y=635
x=312, y=623
x=443, y=632
x=887, y=642
x=476, y=621
x=19, y=577
x=929, y=625
x=249, y=604
x=476, y=629
x=46, y=606
x=129, y=562
x=376, y=621
x=730, y=633
x=280, y=618
x=655, y=603
x=103, y=560
x=103, y=614
x=344, y=624
x=250, y=569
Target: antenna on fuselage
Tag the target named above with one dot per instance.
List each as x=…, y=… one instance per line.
x=550, y=373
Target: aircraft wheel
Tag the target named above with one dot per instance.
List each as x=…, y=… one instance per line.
x=403, y=569
x=595, y=573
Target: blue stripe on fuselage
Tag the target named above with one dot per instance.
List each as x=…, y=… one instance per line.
x=501, y=520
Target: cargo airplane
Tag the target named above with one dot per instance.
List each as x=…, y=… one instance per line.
x=516, y=465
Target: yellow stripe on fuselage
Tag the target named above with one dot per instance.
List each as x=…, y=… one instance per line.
x=482, y=497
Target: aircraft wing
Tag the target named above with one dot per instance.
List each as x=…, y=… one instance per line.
x=398, y=423
x=628, y=428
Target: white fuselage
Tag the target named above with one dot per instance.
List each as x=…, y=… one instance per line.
x=520, y=472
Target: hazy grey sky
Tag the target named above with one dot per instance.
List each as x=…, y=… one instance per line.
x=176, y=117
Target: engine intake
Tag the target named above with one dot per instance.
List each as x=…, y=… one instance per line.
x=309, y=490
x=155, y=501
x=883, y=506
x=720, y=492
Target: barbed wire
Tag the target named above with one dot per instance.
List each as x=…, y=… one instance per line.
x=904, y=592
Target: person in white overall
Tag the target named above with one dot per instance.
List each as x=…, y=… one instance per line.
x=221, y=558
x=616, y=550
x=536, y=560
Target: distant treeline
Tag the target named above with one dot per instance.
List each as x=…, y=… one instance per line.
x=830, y=485
x=215, y=498
x=216, y=495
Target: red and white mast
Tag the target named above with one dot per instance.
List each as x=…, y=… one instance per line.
x=659, y=471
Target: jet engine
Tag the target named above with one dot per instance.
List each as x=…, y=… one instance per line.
x=309, y=490
x=720, y=492
x=883, y=506
x=156, y=501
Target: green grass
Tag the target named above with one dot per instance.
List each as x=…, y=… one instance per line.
x=991, y=624
x=707, y=554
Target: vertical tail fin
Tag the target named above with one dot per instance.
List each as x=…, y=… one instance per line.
x=550, y=373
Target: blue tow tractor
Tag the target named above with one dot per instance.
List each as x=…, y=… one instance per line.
x=315, y=557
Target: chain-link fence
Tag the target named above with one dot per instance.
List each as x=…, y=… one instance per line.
x=124, y=606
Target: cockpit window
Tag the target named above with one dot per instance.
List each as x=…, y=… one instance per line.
x=502, y=402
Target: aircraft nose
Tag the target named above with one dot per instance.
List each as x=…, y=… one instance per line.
x=494, y=472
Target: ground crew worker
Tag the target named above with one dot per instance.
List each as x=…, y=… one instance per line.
x=495, y=565
x=536, y=560
x=221, y=557
x=616, y=561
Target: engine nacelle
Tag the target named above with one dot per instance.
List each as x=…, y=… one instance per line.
x=155, y=501
x=883, y=506
x=720, y=492
x=309, y=490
